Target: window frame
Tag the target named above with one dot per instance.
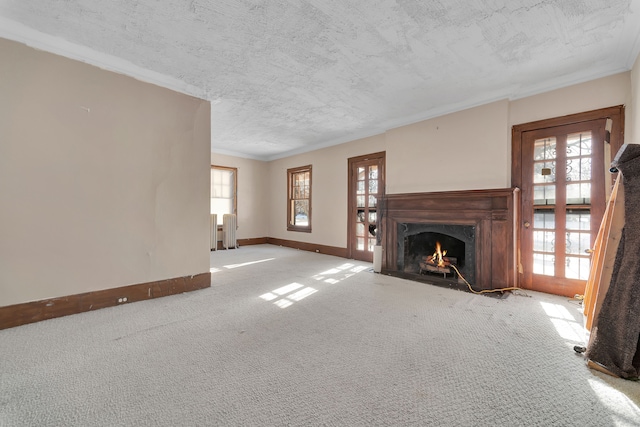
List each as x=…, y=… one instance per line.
x=290, y=182
x=235, y=190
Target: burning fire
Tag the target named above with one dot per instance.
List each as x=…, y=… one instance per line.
x=438, y=256
x=438, y=262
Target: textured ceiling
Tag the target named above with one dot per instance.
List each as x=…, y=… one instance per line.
x=286, y=76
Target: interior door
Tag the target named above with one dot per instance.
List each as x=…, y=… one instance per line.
x=563, y=200
x=366, y=187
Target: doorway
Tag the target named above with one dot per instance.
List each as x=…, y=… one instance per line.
x=366, y=187
x=560, y=166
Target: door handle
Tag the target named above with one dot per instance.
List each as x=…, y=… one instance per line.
x=527, y=224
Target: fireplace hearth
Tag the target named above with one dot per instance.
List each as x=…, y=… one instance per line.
x=475, y=228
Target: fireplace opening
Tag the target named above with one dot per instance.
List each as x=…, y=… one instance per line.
x=431, y=251
x=433, y=254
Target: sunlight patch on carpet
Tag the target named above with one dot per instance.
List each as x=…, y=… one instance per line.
x=339, y=273
x=247, y=263
x=290, y=297
x=300, y=295
x=288, y=288
x=624, y=411
x=566, y=325
x=295, y=292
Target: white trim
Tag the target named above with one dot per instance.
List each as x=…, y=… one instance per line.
x=16, y=31
x=237, y=154
x=510, y=94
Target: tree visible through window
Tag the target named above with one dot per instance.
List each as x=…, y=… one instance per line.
x=223, y=191
x=299, y=199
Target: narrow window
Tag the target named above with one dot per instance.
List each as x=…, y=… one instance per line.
x=223, y=191
x=299, y=199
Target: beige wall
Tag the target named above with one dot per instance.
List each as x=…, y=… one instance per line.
x=104, y=180
x=600, y=93
x=633, y=109
x=329, y=193
x=466, y=150
x=253, y=194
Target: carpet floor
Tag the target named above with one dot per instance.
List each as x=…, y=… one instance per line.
x=292, y=338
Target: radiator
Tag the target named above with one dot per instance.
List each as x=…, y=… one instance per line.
x=229, y=226
x=214, y=232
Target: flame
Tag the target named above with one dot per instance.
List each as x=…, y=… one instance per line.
x=438, y=255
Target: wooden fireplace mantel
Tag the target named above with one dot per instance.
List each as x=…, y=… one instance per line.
x=493, y=213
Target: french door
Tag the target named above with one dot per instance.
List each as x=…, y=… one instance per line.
x=562, y=178
x=366, y=187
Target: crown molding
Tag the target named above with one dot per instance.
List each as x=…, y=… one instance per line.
x=18, y=32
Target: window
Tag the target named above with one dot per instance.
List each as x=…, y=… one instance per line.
x=223, y=191
x=299, y=199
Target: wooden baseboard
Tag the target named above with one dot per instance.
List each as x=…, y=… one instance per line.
x=247, y=242
x=36, y=311
x=254, y=241
x=30, y=312
x=311, y=247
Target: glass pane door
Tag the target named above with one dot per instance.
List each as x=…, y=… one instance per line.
x=366, y=186
x=566, y=173
x=367, y=207
x=571, y=226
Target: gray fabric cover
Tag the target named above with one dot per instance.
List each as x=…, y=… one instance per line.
x=615, y=338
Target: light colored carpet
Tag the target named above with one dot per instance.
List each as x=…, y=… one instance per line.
x=285, y=337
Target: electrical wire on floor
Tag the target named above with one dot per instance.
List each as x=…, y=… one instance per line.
x=484, y=291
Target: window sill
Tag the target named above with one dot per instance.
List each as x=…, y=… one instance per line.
x=299, y=229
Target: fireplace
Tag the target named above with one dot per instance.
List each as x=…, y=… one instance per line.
x=442, y=253
x=475, y=228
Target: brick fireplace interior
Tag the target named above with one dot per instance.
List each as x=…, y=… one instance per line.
x=476, y=228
